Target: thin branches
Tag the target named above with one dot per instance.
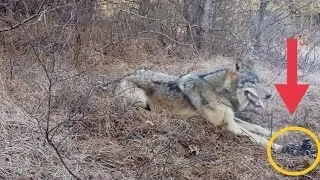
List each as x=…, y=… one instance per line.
x=25, y=20
x=162, y=151
x=48, y=112
x=154, y=32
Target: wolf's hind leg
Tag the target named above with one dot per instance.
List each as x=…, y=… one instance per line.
x=133, y=95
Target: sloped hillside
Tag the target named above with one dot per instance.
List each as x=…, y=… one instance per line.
x=114, y=142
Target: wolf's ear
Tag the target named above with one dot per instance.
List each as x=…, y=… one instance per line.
x=239, y=65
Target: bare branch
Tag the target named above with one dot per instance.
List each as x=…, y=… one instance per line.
x=25, y=20
x=49, y=104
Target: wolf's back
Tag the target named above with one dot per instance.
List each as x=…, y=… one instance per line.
x=145, y=79
x=135, y=87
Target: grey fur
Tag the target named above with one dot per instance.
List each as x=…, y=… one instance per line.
x=215, y=95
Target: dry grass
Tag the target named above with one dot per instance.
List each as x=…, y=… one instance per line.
x=82, y=48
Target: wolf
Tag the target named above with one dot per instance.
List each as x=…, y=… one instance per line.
x=216, y=96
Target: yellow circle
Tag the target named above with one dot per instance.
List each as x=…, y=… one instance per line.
x=293, y=173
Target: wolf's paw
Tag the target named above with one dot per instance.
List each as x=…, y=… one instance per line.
x=306, y=148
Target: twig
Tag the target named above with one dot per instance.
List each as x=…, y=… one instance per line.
x=278, y=75
x=25, y=20
x=152, y=19
x=136, y=14
x=153, y=157
x=150, y=31
x=192, y=38
x=243, y=43
x=309, y=177
x=271, y=123
x=48, y=78
x=178, y=42
x=288, y=14
x=49, y=106
x=61, y=159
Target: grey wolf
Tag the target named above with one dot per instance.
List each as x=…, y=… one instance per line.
x=216, y=96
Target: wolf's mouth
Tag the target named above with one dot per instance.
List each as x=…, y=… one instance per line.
x=253, y=99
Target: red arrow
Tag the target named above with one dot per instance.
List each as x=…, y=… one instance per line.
x=292, y=92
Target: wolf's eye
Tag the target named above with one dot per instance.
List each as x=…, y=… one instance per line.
x=252, y=82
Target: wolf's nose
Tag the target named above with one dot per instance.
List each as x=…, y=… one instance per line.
x=268, y=96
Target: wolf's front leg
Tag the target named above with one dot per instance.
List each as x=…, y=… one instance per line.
x=235, y=128
x=253, y=127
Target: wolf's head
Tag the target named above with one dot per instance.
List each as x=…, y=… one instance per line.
x=248, y=87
